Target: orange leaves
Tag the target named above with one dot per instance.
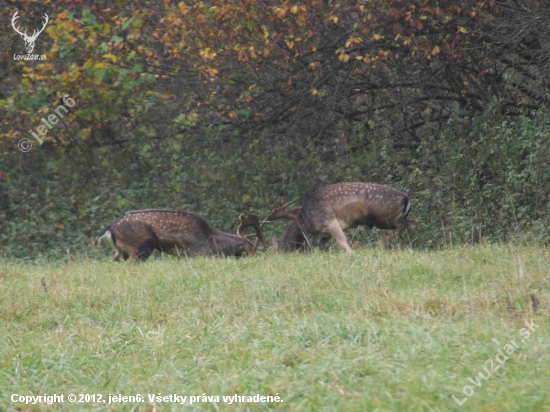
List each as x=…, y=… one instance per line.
x=210, y=71
x=435, y=51
x=353, y=40
x=242, y=54
x=279, y=12
x=265, y=31
x=71, y=75
x=207, y=54
x=182, y=7
x=343, y=57
x=285, y=8
x=314, y=65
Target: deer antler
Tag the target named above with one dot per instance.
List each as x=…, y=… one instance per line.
x=34, y=36
x=281, y=213
x=248, y=219
x=35, y=32
x=15, y=17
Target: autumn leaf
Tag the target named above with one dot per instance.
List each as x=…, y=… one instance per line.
x=343, y=57
x=111, y=57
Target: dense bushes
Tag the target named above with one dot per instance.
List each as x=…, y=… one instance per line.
x=487, y=179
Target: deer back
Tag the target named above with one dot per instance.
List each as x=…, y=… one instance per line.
x=353, y=204
x=169, y=226
x=140, y=232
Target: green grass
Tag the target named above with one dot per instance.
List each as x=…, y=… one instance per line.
x=377, y=330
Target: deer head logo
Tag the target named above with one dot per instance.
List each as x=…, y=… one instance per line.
x=29, y=40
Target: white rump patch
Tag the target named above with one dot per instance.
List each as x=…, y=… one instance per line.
x=107, y=235
x=407, y=208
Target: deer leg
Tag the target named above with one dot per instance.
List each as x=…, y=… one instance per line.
x=145, y=249
x=139, y=254
x=395, y=232
x=400, y=226
x=120, y=254
x=337, y=233
x=126, y=251
x=133, y=258
x=144, y=254
x=411, y=227
x=323, y=243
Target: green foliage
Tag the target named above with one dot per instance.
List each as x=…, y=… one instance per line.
x=488, y=183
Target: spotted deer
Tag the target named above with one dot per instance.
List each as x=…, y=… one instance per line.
x=330, y=210
x=137, y=234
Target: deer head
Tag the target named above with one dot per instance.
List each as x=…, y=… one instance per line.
x=29, y=40
x=330, y=210
x=137, y=234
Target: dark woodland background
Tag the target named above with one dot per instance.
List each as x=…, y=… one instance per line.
x=217, y=106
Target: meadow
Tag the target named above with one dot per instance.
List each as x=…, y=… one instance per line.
x=394, y=330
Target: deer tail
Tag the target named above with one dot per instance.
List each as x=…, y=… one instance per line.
x=105, y=234
x=407, y=205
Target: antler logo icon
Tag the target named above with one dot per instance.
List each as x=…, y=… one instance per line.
x=29, y=40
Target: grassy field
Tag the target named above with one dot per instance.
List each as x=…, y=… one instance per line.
x=377, y=330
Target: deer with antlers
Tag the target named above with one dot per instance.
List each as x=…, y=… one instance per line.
x=29, y=40
x=137, y=234
x=330, y=210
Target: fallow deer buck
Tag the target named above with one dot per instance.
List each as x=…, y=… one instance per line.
x=137, y=234
x=332, y=209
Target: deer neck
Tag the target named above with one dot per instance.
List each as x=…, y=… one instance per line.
x=223, y=243
x=294, y=237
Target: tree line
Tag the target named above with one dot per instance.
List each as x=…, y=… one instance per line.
x=218, y=106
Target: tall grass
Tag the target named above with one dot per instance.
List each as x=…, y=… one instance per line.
x=377, y=330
